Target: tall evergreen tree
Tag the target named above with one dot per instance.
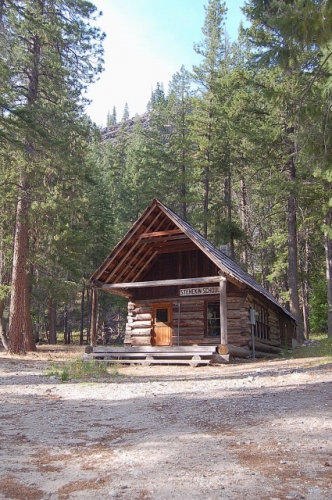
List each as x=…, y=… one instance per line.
x=50, y=58
x=111, y=118
x=268, y=39
x=213, y=49
x=114, y=118
x=180, y=106
x=125, y=115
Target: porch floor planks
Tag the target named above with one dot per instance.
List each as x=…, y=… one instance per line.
x=155, y=349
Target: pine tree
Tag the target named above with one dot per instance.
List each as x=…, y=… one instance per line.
x=271, y=33
x=49, y=57
x=179, y=113
x=149, y=151
x=157, y=97
x=114, y=118
x=125, y=115
x=213, y=49
x=111, y=118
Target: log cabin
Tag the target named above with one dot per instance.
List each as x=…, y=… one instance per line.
x=182, y=291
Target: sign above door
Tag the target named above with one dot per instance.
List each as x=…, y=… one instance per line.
x=203, y=290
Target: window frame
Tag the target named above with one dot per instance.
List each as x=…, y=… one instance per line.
x=261, y=326
x=214, y=320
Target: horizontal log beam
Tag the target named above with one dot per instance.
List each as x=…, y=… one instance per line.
x=156, y=234
x=146, y=284
x=140, y=332
x=274, y=343
x=143, y=316
x=140, y=324
x=265, y=347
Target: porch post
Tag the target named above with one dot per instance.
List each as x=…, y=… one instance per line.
x=223, y=348
x=94, y=312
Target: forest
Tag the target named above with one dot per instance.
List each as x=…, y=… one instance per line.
x=239, y=146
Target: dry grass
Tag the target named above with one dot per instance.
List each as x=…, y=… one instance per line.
x=323, y=349
x=10, y=487
x=65, y=491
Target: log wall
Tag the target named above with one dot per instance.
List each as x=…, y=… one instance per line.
x=188, y=320
x=273, y=319
x=281, y=329
x=139, y=324
x=238, y=319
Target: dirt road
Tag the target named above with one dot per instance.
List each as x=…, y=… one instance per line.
x=258, y=430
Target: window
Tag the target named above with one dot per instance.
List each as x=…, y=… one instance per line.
x=212, y=327
x=162, y=315
x=261, y=328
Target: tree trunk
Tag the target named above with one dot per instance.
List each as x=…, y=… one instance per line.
x=18, y=302
x=328, y=256
x=207, y=179
x=28, y=329
x=82, y=315
x=305, y=287
x=88, y=330
x=3, y=281
x=3, y=336
x=65, y=326
x=244, y=219
x=183, y=188
x=294, y=302
x=228, y=202
x=206, y=199
x=19, y=312
x=51, y=321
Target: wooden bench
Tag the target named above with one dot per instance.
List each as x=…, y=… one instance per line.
x=148, y=355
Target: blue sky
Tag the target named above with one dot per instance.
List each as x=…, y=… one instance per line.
x=147, y=42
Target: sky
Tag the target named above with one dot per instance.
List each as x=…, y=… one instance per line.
x=147, y=41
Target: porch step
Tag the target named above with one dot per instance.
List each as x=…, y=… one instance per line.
x=148, y=355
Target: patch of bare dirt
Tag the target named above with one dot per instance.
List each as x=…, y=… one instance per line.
x=259, y=430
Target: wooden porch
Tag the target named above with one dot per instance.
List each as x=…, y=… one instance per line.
x=161, y=355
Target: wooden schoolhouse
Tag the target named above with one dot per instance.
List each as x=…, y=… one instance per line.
x=182, y=291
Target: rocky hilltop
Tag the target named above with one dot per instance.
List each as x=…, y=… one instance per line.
x=111, y=133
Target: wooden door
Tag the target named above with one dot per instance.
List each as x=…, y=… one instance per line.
x=162, y=324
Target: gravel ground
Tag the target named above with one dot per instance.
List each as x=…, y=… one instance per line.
x=259, y=430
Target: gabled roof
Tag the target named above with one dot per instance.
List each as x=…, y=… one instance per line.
x=159, y=230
